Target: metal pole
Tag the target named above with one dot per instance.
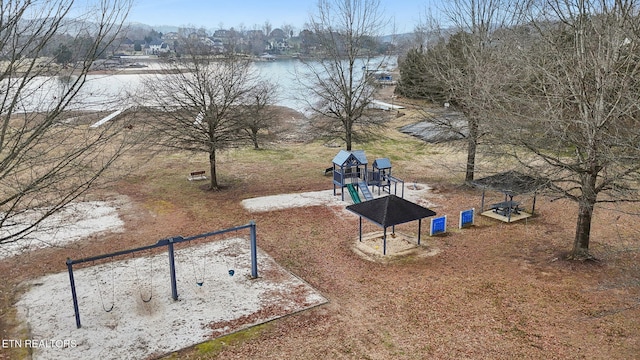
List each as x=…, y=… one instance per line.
x=172, y=271
x=254, y=250
x=73, y=292
x=419, y=229
x=533, y=208
x=360, y=217
x=384, y=242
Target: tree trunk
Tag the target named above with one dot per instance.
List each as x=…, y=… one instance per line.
x=585, y=214
x=254, y=138
x=472, y=144
x=583, y=229
x=348, y=138
x=212, y=164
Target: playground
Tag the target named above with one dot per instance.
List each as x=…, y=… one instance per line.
x=495, y=290
x=143, y=320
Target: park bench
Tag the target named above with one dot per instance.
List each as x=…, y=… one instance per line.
x=197, y=175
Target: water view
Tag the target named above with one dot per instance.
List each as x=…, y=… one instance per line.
x=106, y=92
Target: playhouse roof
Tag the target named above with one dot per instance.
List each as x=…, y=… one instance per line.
x=345, y=156
x=382, y=163
x=390, y=210
x=510, y=182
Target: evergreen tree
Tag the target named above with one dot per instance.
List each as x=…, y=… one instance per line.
x=416, y=80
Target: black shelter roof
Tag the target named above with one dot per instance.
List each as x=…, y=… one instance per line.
x=510, y=182
x=390, y=210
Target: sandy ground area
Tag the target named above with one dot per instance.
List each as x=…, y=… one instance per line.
x=398, y=244
x=135, y=329
x=412, y=192
x=76, y=221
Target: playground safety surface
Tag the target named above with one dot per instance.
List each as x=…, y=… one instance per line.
x=398, y=244
x=138, y=329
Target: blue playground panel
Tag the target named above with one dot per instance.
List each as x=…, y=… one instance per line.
x=438, y=225
x=467, y=218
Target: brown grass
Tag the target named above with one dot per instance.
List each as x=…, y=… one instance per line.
x=495, y=291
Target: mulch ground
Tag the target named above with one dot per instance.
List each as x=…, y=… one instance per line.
x=492, y=291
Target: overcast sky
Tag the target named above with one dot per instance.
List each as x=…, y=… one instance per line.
x=211, y=14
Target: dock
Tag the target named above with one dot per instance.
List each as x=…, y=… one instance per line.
x=108, y=118
x=377, y=104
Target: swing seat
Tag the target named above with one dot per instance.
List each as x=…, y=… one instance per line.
x=200, y=283
x=231, y=272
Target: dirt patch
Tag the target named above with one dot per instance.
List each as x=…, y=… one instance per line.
x=293, y=126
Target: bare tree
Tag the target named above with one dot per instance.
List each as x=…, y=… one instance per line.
x=47, y=159
x=199, y=107
x=267, y=27
x=259, y=114
x=339, y=88
x=288, y=30
x=573, y=111
x=459, y=65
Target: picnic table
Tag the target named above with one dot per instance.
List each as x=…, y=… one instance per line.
x=506, y=208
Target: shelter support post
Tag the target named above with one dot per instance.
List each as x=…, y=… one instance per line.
x=384, y=242
x=360, y=217
x=73, y=292
x=482, y=203
x=533, y=207
x=419, y=229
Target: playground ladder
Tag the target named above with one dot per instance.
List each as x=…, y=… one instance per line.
x=365, y=191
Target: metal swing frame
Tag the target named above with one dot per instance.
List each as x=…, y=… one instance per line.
x=169, y=243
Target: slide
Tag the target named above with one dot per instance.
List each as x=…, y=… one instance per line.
x=365, y=191
x=354, y=194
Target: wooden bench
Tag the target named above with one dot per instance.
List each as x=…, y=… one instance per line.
x=197, y=175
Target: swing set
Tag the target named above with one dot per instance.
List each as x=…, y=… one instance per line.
x=100, y=284
x=169, y=243
x=200, y=268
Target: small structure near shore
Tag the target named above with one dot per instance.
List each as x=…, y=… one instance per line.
x=109, y=117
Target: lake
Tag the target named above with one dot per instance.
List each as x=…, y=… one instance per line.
x=111, y=92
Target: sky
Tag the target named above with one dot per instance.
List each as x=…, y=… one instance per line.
x=215, y=14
